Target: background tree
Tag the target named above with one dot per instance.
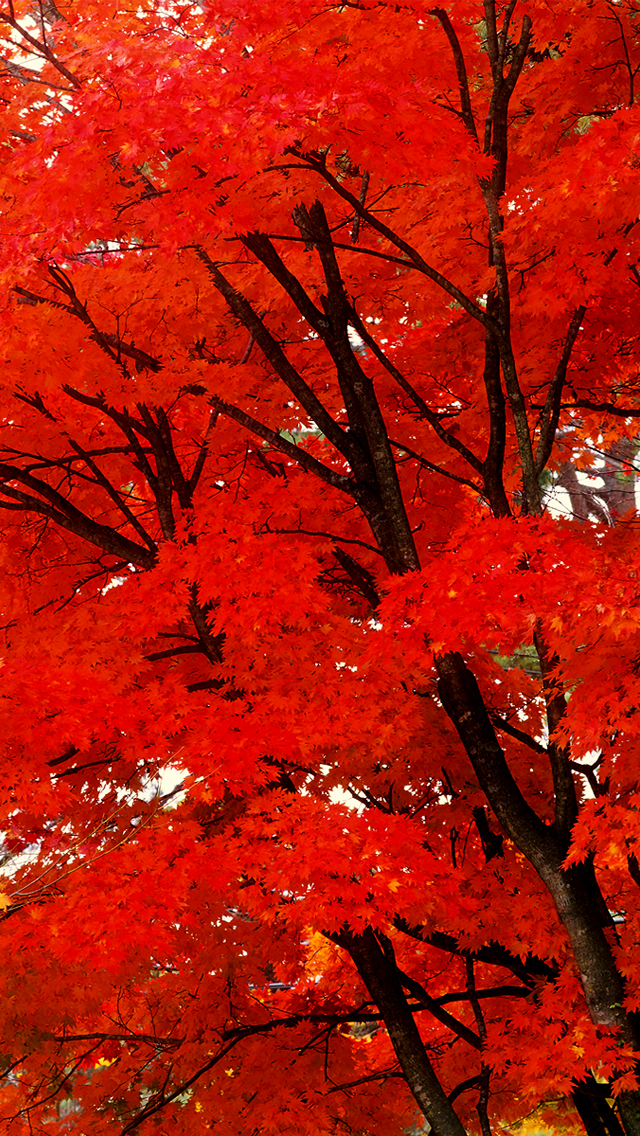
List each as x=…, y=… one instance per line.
x=301, y=305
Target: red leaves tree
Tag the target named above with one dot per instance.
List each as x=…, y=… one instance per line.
x=318, y=703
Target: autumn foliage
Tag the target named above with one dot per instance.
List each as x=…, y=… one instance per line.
x=320, y=341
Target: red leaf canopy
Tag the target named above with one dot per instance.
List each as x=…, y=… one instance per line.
x=320, y=560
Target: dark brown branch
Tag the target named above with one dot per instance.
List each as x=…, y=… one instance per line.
x=446, y=285
x=115, y=496
x=496, y=144
x=53, y=505
x=262, y=248
x=165, y=447
x=86, y=765
x=383, y=1075
x=127, y=424
x=530, y=971
x=193, y=480
x=519, y=735
x=360, y=577
x=503, y=39
x=436, y=468
x=26, y=75
x=190, y=649
x=505, y=991
x=461, y=70
x=566, y=803
x=493, y=465
x=389, y=522
x=297, y=453
x=329, y=535
x=348, y=248
x=485, y=1072
x=634, y=868
x=63, y=1080
x=211, y=644
x=573, y=890
x=434, y=1006
x=469, y=1083
x=598, y=788
x=131, y=1037
x=607, y=407
x=41, y=48
x=551, y=412
x=377, y=967
x=112, y=345
x=161, y=1101
x=273, y=352
x=355, y=228
x=366, y=448
x=426, y=412
x=66, y=756
x=593, y=1108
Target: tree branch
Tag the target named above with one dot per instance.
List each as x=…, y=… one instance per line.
x=461, y=70
x=551, y=411
x=447, y=286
